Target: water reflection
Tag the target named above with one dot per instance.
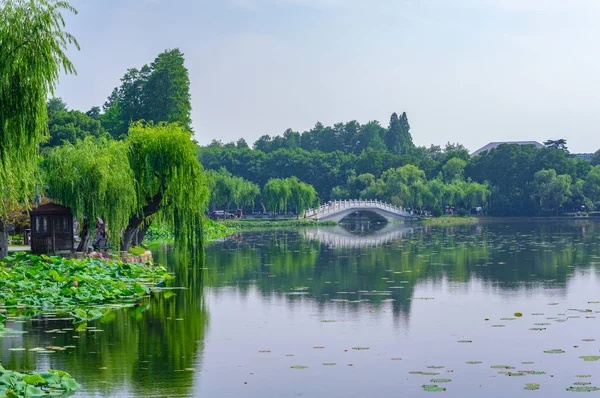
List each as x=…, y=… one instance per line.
x=359, y=234
x=257, y=284
x=335, y=264
x=151, y=349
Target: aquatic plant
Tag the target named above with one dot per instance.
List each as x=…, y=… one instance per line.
x=52, y=383
x=87, y=289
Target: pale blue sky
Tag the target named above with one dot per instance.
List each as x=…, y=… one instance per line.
x=471, y=71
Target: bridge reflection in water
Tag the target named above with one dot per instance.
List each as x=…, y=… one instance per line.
x=359, y=234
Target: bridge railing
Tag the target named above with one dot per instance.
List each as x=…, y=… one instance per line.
x=340, y=205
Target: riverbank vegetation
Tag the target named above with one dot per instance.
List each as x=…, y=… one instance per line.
x=246, y=225
x=85, y=289
x=353, y=160
x=160, y=234
x=82, y=290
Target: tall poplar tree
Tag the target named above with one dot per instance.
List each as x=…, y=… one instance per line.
x=32, y=54
x=159, y=92
x=398, y=138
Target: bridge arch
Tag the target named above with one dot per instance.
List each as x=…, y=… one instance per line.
x=338, y=210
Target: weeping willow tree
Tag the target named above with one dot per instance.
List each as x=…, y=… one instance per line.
x=32, y=54
x=279, y=193
x=170, y=183
x=93, y=177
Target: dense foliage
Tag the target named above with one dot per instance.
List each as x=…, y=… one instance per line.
x=226, y=188
x=19, y=384
x=170, y=183
x=153, y=173
x=30, y=285
x=282, y=194
x=68, y=126
x=350, y=161
x=32, y=54
x=158, y=92
x=93, y=178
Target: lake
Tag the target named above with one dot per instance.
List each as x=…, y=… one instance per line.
x=357, y=311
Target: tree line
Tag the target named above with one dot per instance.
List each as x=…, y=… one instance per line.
x=279, y=195
x=508, y=180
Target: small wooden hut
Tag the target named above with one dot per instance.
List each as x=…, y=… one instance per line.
x=51, y=229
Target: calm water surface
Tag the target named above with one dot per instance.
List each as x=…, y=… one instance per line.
x=350, y=312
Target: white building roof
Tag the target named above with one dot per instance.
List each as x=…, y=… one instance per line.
x=493, y=145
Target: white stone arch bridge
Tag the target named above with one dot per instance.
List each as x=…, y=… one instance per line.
x=339, y=209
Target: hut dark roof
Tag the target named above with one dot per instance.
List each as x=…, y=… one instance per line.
x=50, y=208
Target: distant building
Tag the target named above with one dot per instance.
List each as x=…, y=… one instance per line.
x=584, y=156
x=493, y=145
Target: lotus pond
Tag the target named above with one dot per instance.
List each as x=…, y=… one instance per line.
x=495, y=310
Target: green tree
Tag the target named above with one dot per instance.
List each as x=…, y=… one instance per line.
x=93, y=177
x=302, y=197
x=596, y=158
x=155, y=93
x=70, y=125
x=32, y=54
x=276, y=195
x=454, y=169
x=398, y=138
x=557, y=144
x=167, y=90
x=170, y=182
x=551, y=191
x=591, y=186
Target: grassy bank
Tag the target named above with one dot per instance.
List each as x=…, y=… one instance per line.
x=245, y=225
x=213, y=230
x=451, y=220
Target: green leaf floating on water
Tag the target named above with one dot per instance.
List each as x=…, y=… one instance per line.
x=474, y=362
x=583, y=389
x=433, y=388
x=583, y=376
x=435, y=367
x=555, y=351
x=532, y=386
x=582, y=383
x=418, y=372
x=501, y=367
x=299, y=367
x=465, y=341
x=518, y=314
x=436, y=381
x=360, y=348
x=589, y=358
x=329, y=364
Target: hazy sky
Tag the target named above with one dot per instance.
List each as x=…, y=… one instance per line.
x=468, y=71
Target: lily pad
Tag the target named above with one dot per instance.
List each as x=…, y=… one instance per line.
x=440, y=380
x=532, y=386
x=518, y=314
x=433, y=388
x=474, y=362
x=299, y=367
x=555, y=351
x=583, y=389
x=465, y=341
x=360, y=348
x=501, y=367
x=590, y=358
